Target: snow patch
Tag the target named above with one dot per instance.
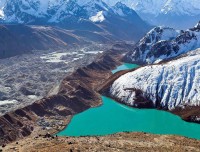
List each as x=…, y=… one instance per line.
x=99, y=17
x=6, y=102
x=1, y=14
x=32, y=97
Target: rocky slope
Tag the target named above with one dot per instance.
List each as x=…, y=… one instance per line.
x=121, y=142
x=20, y=39
x=76, y=93
x=163, y=43
x=23, y=39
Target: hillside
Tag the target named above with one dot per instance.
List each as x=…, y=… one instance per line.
x=20, y=39
x=121, y=142
x=77, y=93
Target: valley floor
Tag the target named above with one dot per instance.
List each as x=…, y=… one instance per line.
x=30, y=77
x=111, y=143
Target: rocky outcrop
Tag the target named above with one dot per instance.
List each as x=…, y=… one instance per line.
x=188, y=113
x=77, y=93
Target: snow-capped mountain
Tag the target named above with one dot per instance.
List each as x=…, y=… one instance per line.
x=168, y=85
x=181, y=7
x=122, y=10
x=178, y=7
x=54, y=11
x=95, y=6
x=92, y=16
x=179, y=14
x=68, y=9
x=32, y=11
x=163, y=43
x=94, y=22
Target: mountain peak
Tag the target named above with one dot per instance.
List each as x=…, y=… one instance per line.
x=97, y=3
x=163, y=43
x=120, y=4
x=196, y=27
x=122, y=9
x=95, y=6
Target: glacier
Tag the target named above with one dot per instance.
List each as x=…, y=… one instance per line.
x=166, y=85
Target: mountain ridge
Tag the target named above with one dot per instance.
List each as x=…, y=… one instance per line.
x=19, y=11
x=163, y=43
x=173, y=13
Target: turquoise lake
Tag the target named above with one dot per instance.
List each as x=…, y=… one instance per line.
x=125, y=66
x=113, y=117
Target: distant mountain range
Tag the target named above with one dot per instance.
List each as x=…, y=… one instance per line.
x=95, y=21
x=179, y=14
x=61, y=11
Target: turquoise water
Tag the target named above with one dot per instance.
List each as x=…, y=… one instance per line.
x=125, y=66
x=113, y=117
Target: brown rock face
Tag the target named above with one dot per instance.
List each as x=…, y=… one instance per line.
x=77, y=93
x=188, y=113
